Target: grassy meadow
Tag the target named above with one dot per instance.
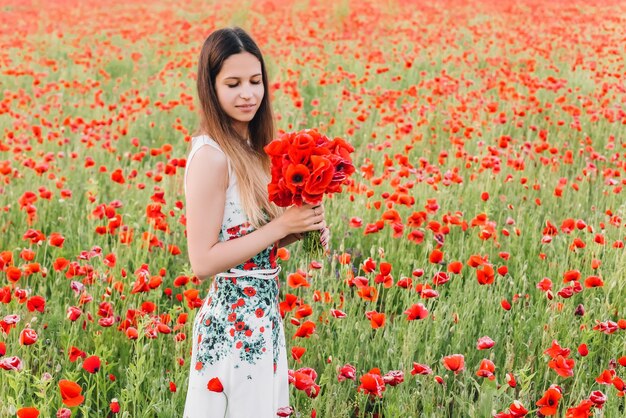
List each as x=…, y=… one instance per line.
x=488, y=201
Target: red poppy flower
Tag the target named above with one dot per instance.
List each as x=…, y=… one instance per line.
x=297, y=353
x=454, y=363
x=70, y=393
x=347, y=371
x=305, y=330
x=372, y=384
x=485, y=343
x=296, y=176
x=416, y=311
x=582, y=410
x=75, y=353
x=486, y=369
x=36, y=303
x=92, y=364
x=249, y=290
x=28, y=412
x=377, y=319
x=28, y=336
x=215, y=385
x=549, y=403
x=421, y=369
x=296, y=280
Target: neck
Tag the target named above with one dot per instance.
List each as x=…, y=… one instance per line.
x=242, y=129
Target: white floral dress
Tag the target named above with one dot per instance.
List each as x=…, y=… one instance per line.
x=238, y=333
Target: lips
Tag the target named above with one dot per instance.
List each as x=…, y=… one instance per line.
x=246, y=106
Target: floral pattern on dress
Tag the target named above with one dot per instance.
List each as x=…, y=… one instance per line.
x=242, y=312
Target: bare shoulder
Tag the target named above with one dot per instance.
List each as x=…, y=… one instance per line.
x=207, y=171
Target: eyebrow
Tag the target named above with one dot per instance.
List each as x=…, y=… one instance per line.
x=237, y=78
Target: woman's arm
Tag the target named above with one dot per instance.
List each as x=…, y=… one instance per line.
x=289, y=239
x=207, y=181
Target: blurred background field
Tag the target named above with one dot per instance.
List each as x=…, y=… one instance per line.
x=491, y=164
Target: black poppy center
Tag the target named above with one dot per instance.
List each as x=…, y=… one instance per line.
x=297, y=178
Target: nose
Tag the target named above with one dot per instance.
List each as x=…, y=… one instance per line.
x=245, y=93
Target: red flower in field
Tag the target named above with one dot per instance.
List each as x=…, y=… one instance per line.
x=296, y=280
x=368, y=293
x=598, y=398
x=582, y=410
x=28, y=336
x=11, y=363
x=305, y=330
x=70, y=393
x=285, y=411
x=117, y=176
x=13, y=274
x=440, y=278
x=372, y=384
x=545, y=284
x=346, y=372
x=297, y=353
x=28, y=412
x=606, y=377
x=3, y=348
x=455, y=267
x=393, y=377
x=593, y=281
x=436, y=256
x=64, y=413
x=421, y=369
x=486, y=369
x=516, y=409
x=485, y=275
x=304, y=379
x=549, y=403
x=454, y=363
x=510, y=380
x=562, y=365
x=485, y=343
x=92, y=364
x=56, y=240
x=571, y=275
x=75, y=353
x=114, y=406
x=377, y=319
x=36, y=303
x=417, y=311
x=336, y=313
x=557, y=350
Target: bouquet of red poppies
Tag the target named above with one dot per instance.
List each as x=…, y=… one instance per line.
x=305, y=166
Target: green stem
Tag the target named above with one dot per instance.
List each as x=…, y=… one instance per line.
x=312, y=244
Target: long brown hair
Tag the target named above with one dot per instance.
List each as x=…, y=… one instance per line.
x=250, y=162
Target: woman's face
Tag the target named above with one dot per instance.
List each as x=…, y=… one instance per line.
x=239, y=88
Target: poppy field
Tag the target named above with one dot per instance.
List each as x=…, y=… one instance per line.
x=477, y=265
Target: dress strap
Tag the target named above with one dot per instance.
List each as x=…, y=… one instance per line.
x=257, y=273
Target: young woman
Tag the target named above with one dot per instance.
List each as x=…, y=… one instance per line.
x=233, y=233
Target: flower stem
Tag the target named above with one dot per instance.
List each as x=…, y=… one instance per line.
x=312, y=244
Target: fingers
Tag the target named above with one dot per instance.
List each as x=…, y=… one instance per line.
x=320, y=225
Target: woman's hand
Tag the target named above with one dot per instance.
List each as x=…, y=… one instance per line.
x=325, y=238
x=304, y=218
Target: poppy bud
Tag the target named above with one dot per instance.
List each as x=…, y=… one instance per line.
x=580, y=310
